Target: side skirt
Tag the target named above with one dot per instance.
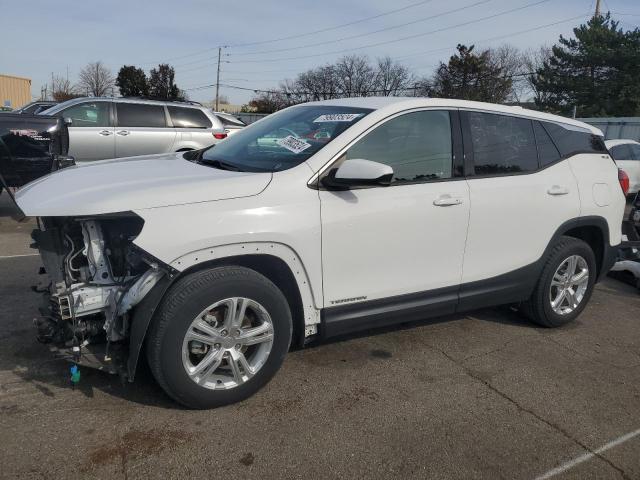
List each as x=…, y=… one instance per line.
x=507, y=288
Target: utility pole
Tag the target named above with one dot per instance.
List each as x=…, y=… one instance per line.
x=597, y=14
x=218, y=78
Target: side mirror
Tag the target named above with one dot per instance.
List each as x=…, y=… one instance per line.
x=68, y=120
x=62, y=161
x=358, y=172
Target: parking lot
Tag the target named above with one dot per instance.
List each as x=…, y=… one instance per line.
x=485, y=395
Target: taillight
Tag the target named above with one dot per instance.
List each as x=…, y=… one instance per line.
x=623, y=178
x=220, y=136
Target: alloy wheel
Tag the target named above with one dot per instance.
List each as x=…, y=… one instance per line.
x=569, y=285
x=227, y=343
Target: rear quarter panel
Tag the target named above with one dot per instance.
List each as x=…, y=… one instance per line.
x=600, y=192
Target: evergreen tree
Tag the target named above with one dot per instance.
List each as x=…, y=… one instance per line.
x=162, y=85
x=598, y=72
x=132, y=82
x=471, y=76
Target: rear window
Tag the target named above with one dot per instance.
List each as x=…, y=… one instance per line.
x=502, y=144
x=572, y=142
x=140, y=115
x=183, y=117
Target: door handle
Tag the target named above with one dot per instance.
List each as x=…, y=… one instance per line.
x=558, y=190
x=446, y=200
x=124, y=133
x=104, y=133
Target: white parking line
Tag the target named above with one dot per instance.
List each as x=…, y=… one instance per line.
x=588, y=456
x=16, y=256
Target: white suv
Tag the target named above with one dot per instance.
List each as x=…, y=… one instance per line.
x=321, y=219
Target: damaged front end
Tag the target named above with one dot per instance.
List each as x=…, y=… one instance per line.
x=96, y=276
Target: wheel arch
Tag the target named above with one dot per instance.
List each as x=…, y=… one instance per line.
x=276, y=270
x=593, y=230
x=278, y=262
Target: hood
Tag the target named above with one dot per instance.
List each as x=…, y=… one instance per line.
x=134, y=183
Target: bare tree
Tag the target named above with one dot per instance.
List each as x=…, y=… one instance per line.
x=510, y=62
x=392, y=78
x=533, y=60
x=355, y=77
x=316, y=84
x=62, y=89
x=96, y=80
x=350, y=76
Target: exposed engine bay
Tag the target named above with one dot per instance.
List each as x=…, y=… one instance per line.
x=96, y=276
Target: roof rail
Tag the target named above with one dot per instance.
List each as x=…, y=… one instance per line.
x=155, y=99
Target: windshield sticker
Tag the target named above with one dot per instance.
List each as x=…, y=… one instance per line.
x=337, y=117
x=293, y=144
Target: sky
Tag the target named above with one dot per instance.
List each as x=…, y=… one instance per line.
x=268, y=41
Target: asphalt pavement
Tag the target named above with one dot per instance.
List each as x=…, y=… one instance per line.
x=483, y=395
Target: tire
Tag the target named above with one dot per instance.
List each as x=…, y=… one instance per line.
x=539, y=307
x=170, y=353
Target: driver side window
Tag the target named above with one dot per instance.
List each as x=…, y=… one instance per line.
x=89, y=114
x=416, y=145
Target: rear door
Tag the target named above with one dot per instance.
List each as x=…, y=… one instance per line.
x=91, y=132
x=141, y=129
x=520, y=191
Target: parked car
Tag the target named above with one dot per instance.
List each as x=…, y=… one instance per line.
x=230, y=123
x=103, y=128
x=217, y=261
x=626, y=154
x=31, y=146
x=34, y=108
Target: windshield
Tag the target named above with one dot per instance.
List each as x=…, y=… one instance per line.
x=282, y=140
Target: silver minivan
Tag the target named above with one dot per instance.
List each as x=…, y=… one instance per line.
x=104, y=128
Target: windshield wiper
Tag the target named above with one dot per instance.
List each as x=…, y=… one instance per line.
x=222, y=165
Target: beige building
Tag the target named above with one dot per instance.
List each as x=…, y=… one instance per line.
x=14, y=91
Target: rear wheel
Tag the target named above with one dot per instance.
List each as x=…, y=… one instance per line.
x=219, y=336
x=565, y=286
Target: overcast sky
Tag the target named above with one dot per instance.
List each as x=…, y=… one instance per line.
x=40, y=37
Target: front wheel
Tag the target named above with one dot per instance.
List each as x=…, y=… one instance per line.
x=219, y=336
x=565, y=286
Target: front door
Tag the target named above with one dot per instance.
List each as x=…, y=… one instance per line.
x=91, y=132
x=405, y=240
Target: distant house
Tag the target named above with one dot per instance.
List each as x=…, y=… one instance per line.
x=14, y=91
x=224, y=107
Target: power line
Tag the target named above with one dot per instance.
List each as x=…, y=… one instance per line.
x=303, y=92
x=328, y=29
x=351, y=37
x=499, y=37
x=410, y=37
x=323, y=30
x=208, y=50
